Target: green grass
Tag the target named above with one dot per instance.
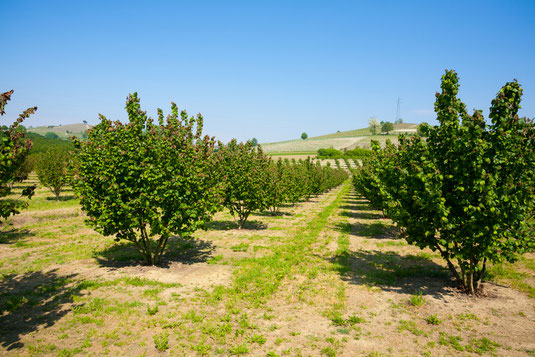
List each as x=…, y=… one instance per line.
x=416, y=299
x=514, y=275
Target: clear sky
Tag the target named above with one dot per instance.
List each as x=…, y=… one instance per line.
x=264, y=69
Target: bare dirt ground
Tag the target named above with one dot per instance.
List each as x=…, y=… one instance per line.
x=326, y=277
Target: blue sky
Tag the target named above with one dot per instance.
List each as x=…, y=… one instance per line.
x=264, y=69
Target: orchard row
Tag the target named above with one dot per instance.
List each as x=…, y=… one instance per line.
x=148, y=180
x=468, y=190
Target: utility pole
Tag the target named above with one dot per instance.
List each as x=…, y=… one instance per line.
x=397, y=111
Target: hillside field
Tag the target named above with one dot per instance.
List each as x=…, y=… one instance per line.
x=347, y=140
x=63, y=131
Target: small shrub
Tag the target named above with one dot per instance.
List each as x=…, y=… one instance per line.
x=162, y=341
x=51, y=170
x=433, y=320
x=417, y=299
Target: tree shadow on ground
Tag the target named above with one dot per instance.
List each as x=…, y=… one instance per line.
x=60, y=198
x=373, y=230
x=14, y=235
x=32, y=301
x=392, y=272
x=272, y=214
x=362, y=215
x=179, y=249
x=228, y=225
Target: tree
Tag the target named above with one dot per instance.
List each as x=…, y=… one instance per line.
x=399, y=121
x=24, y=170
x=304, y=136
x=423, y=130
x=374, y=125
x=468, y=190
x=277, y=192
x=387, y=127
x=14, y=149
x=51, y=170
x=51, y=135
x=85, y=121
x=254, y=142
x=246, y=176
x=145, y=181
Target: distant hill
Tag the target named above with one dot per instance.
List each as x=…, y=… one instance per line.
x=340, y=140
x=63, y=131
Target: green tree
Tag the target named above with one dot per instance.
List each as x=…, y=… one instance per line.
x=304, y=136
x=387, y=127
x=51, y=170
x=14, y=149
x=423, y=130
x=246, y=172
x=51, y=135
x=468, y=190
x=24, y=170
x=254, y=142
x=373, y=125
x=144, y=182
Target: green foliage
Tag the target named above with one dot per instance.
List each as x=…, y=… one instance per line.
x=144, y=181
x=245, y=171
x=331, y=153
x=51, y=135
x=387, y=127
x=279, y=182
x=162, y=341
x=42, y=144
x=357, y=153
x=24, y=170
x=14, y=149
x=416, y=299
x=468, y=190
x=254, y=142
x=433, y=320
x=51, y=170
x=423, y=130
x=304, y=136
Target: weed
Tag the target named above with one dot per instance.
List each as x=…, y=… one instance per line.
x=151, y=311
x=240, y=349
x=215, y=259
x=257, y=339
x=409, y=326
x=202, y=349
x=242, y=247
x=433, y=320
x=417, y=299
x=328, y=351
x=162, y=341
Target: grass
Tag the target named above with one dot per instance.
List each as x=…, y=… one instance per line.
x=519, y=275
